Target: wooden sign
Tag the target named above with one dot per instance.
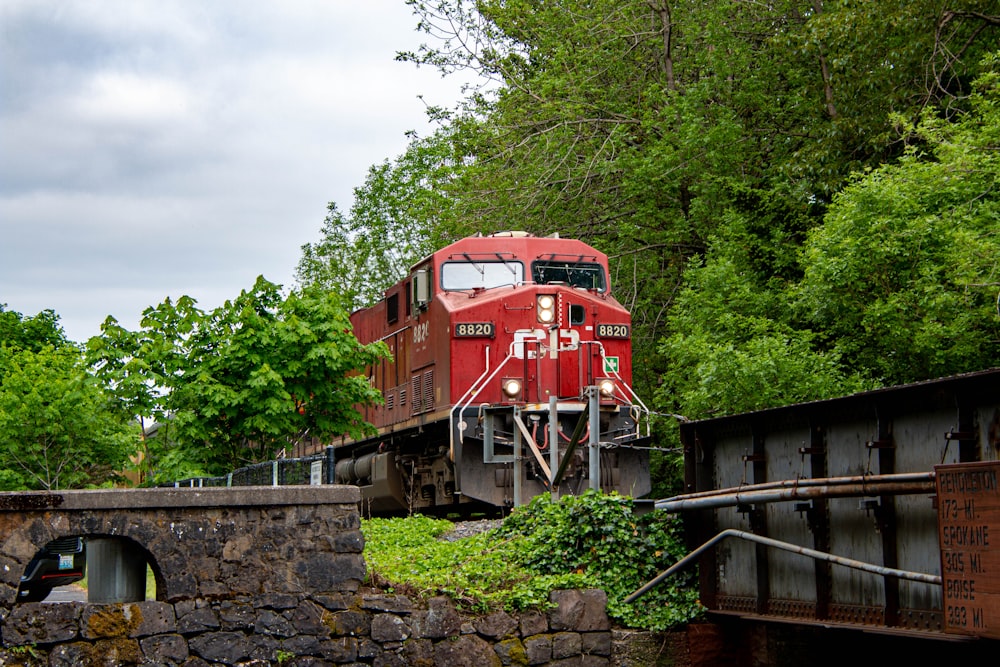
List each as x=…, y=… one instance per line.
x=968, y=496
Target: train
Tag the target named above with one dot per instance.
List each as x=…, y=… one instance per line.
x=510, y=376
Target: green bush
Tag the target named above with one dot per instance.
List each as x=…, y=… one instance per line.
x=589, y=541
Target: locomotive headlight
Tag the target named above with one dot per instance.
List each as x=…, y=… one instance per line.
x=546, y=308
x=512, y=387
x=606, y=387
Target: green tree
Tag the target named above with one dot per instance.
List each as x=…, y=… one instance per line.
x=30, y=333
x=58, y=429
x=903, y=277
x=240, y=383
x=654, y=130
x=57, y=426
x=740, y=350
x=137, y=368
x=707, y=137
x=899, y=283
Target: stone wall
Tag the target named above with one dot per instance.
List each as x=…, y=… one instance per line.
x=262, y=576
x=366, y=627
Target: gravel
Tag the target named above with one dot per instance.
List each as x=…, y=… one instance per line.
x=469, y=528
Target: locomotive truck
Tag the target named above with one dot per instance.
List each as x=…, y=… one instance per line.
x=510, y=375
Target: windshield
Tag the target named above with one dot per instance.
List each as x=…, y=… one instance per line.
x=480, y=275
x=576, y=274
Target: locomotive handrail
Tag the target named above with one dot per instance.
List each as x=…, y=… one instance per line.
x=474, y=389
x=635, y=397
x=395, y=332
x=468, y=391
x=471, y=393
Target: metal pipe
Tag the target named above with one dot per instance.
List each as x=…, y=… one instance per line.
x=786, y=546
x=517, y=467
x=801, y=493
x=595, y=434
x=553, y=445
x=812, y=481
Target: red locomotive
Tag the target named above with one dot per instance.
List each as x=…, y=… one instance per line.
x=511, y=375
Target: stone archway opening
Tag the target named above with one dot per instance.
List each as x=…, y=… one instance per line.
x=119, y=569
x=98, y=569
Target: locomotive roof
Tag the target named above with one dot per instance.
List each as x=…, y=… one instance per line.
x=520, y=244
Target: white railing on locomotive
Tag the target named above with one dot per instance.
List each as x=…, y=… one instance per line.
x=639, y=410
x=637, y=407
x=470, y=395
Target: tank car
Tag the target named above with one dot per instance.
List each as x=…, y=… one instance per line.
x=510, y=376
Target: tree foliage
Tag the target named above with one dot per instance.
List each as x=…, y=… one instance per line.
x=675, y=135
x=742, y=165
x=30, y=333
x=903, y=279
x=240, y=383
x=58, y=428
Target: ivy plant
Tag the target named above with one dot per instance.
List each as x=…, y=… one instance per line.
x=590, y=541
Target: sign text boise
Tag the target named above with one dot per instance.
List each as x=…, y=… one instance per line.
x=968, y=496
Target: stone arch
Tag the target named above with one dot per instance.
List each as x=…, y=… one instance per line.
x=200, y=543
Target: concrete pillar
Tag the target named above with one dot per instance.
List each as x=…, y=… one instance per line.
x=116, y=571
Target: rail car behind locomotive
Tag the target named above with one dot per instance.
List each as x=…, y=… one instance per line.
x=510, y=375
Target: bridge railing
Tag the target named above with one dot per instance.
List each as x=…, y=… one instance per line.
x=306, y=470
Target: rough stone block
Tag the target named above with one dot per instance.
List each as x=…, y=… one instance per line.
x=198, y=620
x=164, y=648
x=466, y=651
x=40, y=623
x=496, y=625
x=439, y=620
x=511, y=652
x=396, y=604
x=538, y=649
x=270, y=622
x=596, y=643
x=580, y=610
x=565, y=644
x=389, y=628
x=534, y=623
x=225, y=647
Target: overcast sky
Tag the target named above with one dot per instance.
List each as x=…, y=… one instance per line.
x=155, y=148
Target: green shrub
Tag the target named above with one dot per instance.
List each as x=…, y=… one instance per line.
x=589, y=541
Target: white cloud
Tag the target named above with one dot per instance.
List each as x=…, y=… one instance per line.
x=157, y=148
x=113, y=98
